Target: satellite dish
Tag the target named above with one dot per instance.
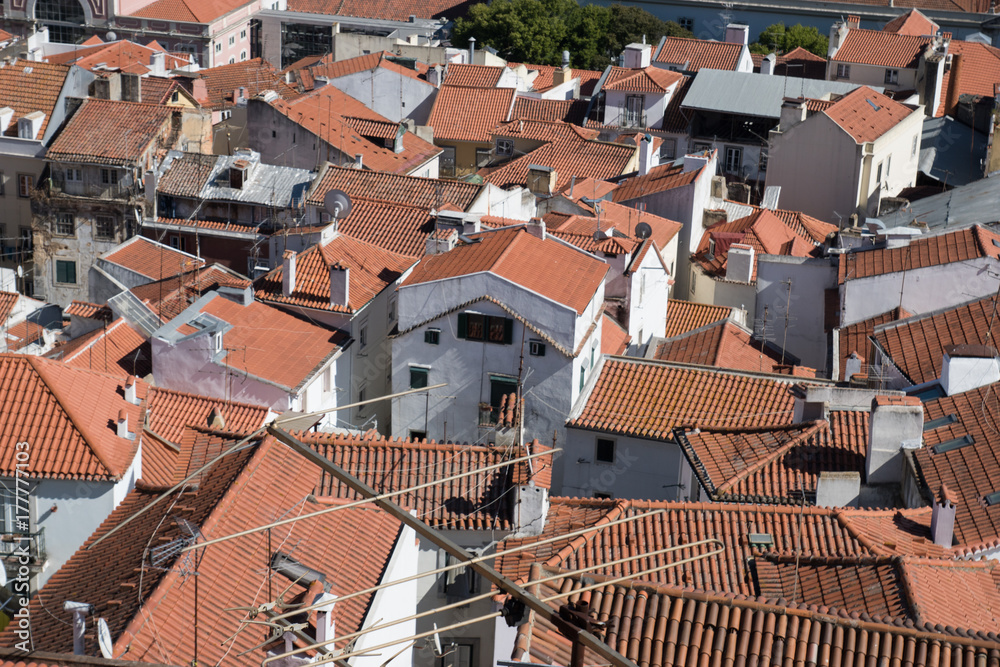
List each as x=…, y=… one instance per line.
x=20, y=271
x=111, y=36
x=104, y=639
x=3, y=576
x=643, y=230
x=437, y=641
x=337, y=204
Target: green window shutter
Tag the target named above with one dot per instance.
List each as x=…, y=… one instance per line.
x=508, y=331
x=463, y=325
x=418, y=377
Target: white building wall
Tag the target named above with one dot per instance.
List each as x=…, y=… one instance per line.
x=654, y=105
x=870, y=75
x=390, y=94
x=649, y=289
x=898, y=150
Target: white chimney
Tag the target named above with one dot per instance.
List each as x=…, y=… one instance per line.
x=6, y=114
x=359, y=160
x=123, y=424
x=894, y=422
x=288, y=273
x=968, y=367
x=943, y=517
x=637, y=56
x=435, y=75
x=768, y=63
x=645, y=154
x=130, y=394
x=838, y=31
x=536, y=227
x=692, y=162
x=340, y=285
x=325, y=625
x=158, y=63
x=738, y=33
x=79, y=611
x=29, y=125
x=739, y=265
x=793, y=112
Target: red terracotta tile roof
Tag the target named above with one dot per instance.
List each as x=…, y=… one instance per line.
x=804, y=225
x=67, y=415
x=621, y=220
x=648, y=80
x=538, y=130
x=546, y=73
x=329, y=68
x=922, y=252
x=324, y=113
x=151, y=259
x=614, y=338
x=587, y=188
x=159, y=90
x=8, y=300
x=881, y=49
x=470, y=114
x=121, y=55
x=350, y=547
x=866, y=114
x=188, y=11
x=474, y=76
x=393, y=227
x=961, y=595
x=575, y=157
x=186, y=175
x=372, y=269
x=648, y=399
x=137, y=127
x=5, y=36
x=93, y=311
x=780, y=464
x=393, y=10
x=170, y=296
x=529, y=108
x=975, y=70
x=674, y=119
x=724, y=344
x=855, y=338
x=894, y=532
x=477, y=502
x=23, y=334
x=171, y=413
x=28, y=86
x=684, y=316
x=159, y=461
x=116, y=349
x=695, y=54
x=271, y=344
x=255, y=75
x=659, y=179
x=385, y=187
x=523, y=259
x=912, y=23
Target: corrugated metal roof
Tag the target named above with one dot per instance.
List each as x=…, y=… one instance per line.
x=966, y=205
x=953, y=167
x=268, y=184
x=755, y=94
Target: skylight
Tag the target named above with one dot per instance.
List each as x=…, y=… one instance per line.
x=939, y=422
x=952, y=445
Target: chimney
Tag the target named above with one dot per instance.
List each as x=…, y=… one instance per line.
x=199, y=91
x=719, y=189
x=541, y=180
x=216, y=420
x=435, y=75
x=838, y=489
x=968, y=367
x=838, y=31
x=894, y=422
x=943, y=517
x=692, y=162
x=565, y=59
x=288, y=273
x=123, y=424
x=340, y=285
x=359, y=161
x=637, y=56
x=768, y=63
x=739, y=266
x=561, y=76
x=131, y=87
x=472, y=50
x=853, y=22
x=130, y=394
x=645, y=154
x=325, y=626
x=738, y=33
x=79, y=611
x=793, y=112
x=158, y=63
x=713, y=217
x=536, y=227
x=6, y=114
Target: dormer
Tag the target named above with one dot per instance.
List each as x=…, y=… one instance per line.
x=29, y=125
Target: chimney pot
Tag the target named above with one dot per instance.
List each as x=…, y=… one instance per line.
x=122, y=429
x=130, y=394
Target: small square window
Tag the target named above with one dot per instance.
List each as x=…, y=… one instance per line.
x=536, y=348
x=104, y=227
x=418, y=377
x=65, y=272
x=432, y=336
x=891, y=76
x=74, y=175
x=843, y=71
x=64, y=224
x=363, y=336
x=605, y=451
x=109, y=176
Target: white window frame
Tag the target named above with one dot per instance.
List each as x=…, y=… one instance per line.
x=736, y=151
x=891, y=77
x=843, y=71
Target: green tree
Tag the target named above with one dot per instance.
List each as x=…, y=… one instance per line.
x=778, y=39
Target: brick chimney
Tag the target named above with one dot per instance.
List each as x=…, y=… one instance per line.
x=288, y=273
x=943, y=517
x=853, y=22
x=895, y=421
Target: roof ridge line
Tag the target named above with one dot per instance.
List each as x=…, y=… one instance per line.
x=765, y=461
x=573, y=545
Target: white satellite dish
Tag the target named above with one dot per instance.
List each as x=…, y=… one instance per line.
x=20, y=271
x=437, y=642
x=104, y=639
x=111, y=36
x=337, y=204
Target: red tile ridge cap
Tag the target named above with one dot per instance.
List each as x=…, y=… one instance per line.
x=945, y=495
x=780, y=451
x=882, y=399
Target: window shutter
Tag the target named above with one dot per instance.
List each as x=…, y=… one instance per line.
x=463, y=325
x=508, y=331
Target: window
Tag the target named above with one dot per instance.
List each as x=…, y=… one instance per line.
x=458, y=654
x=634, y=116
x=583, y=377
x=243, y=34
x=456, y=584
x=605, y=452
x=668, y=149
x=363, y=336
x=417, y=436
x=505, y=147
x=218, y=47
x=536, y=348
x=432, y=336
x=64, y=224
x=104, y=227
x=299, y=40
x=888, y=167
x=232, y=40
x=734, y=160
x=175, y=97
x=686, y=22
x=500, y=386
x=878, y=174
x=178, y=242
x=489, y=328
x=65, y=272
x=243, y=55
x=217, y=342
x=3, y=181
x=483, y=156
x=913, y=146
x=448, y=161
x=418, y=377
x=73, y=175
x=891, y=76
x=843, y=71
x=109, y=176
x=362, y=397
x=26, y=240
x=232, y=60
x=25, y=184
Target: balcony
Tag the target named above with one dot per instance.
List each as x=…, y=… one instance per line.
x=631, y=118
x=11, y=546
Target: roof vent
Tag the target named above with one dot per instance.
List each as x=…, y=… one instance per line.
x=122, y=425
x=130, y=394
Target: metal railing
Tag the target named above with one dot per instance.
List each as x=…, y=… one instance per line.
x=14, y=544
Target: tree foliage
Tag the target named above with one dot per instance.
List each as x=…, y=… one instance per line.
x=776, y=38
x=537, y=31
